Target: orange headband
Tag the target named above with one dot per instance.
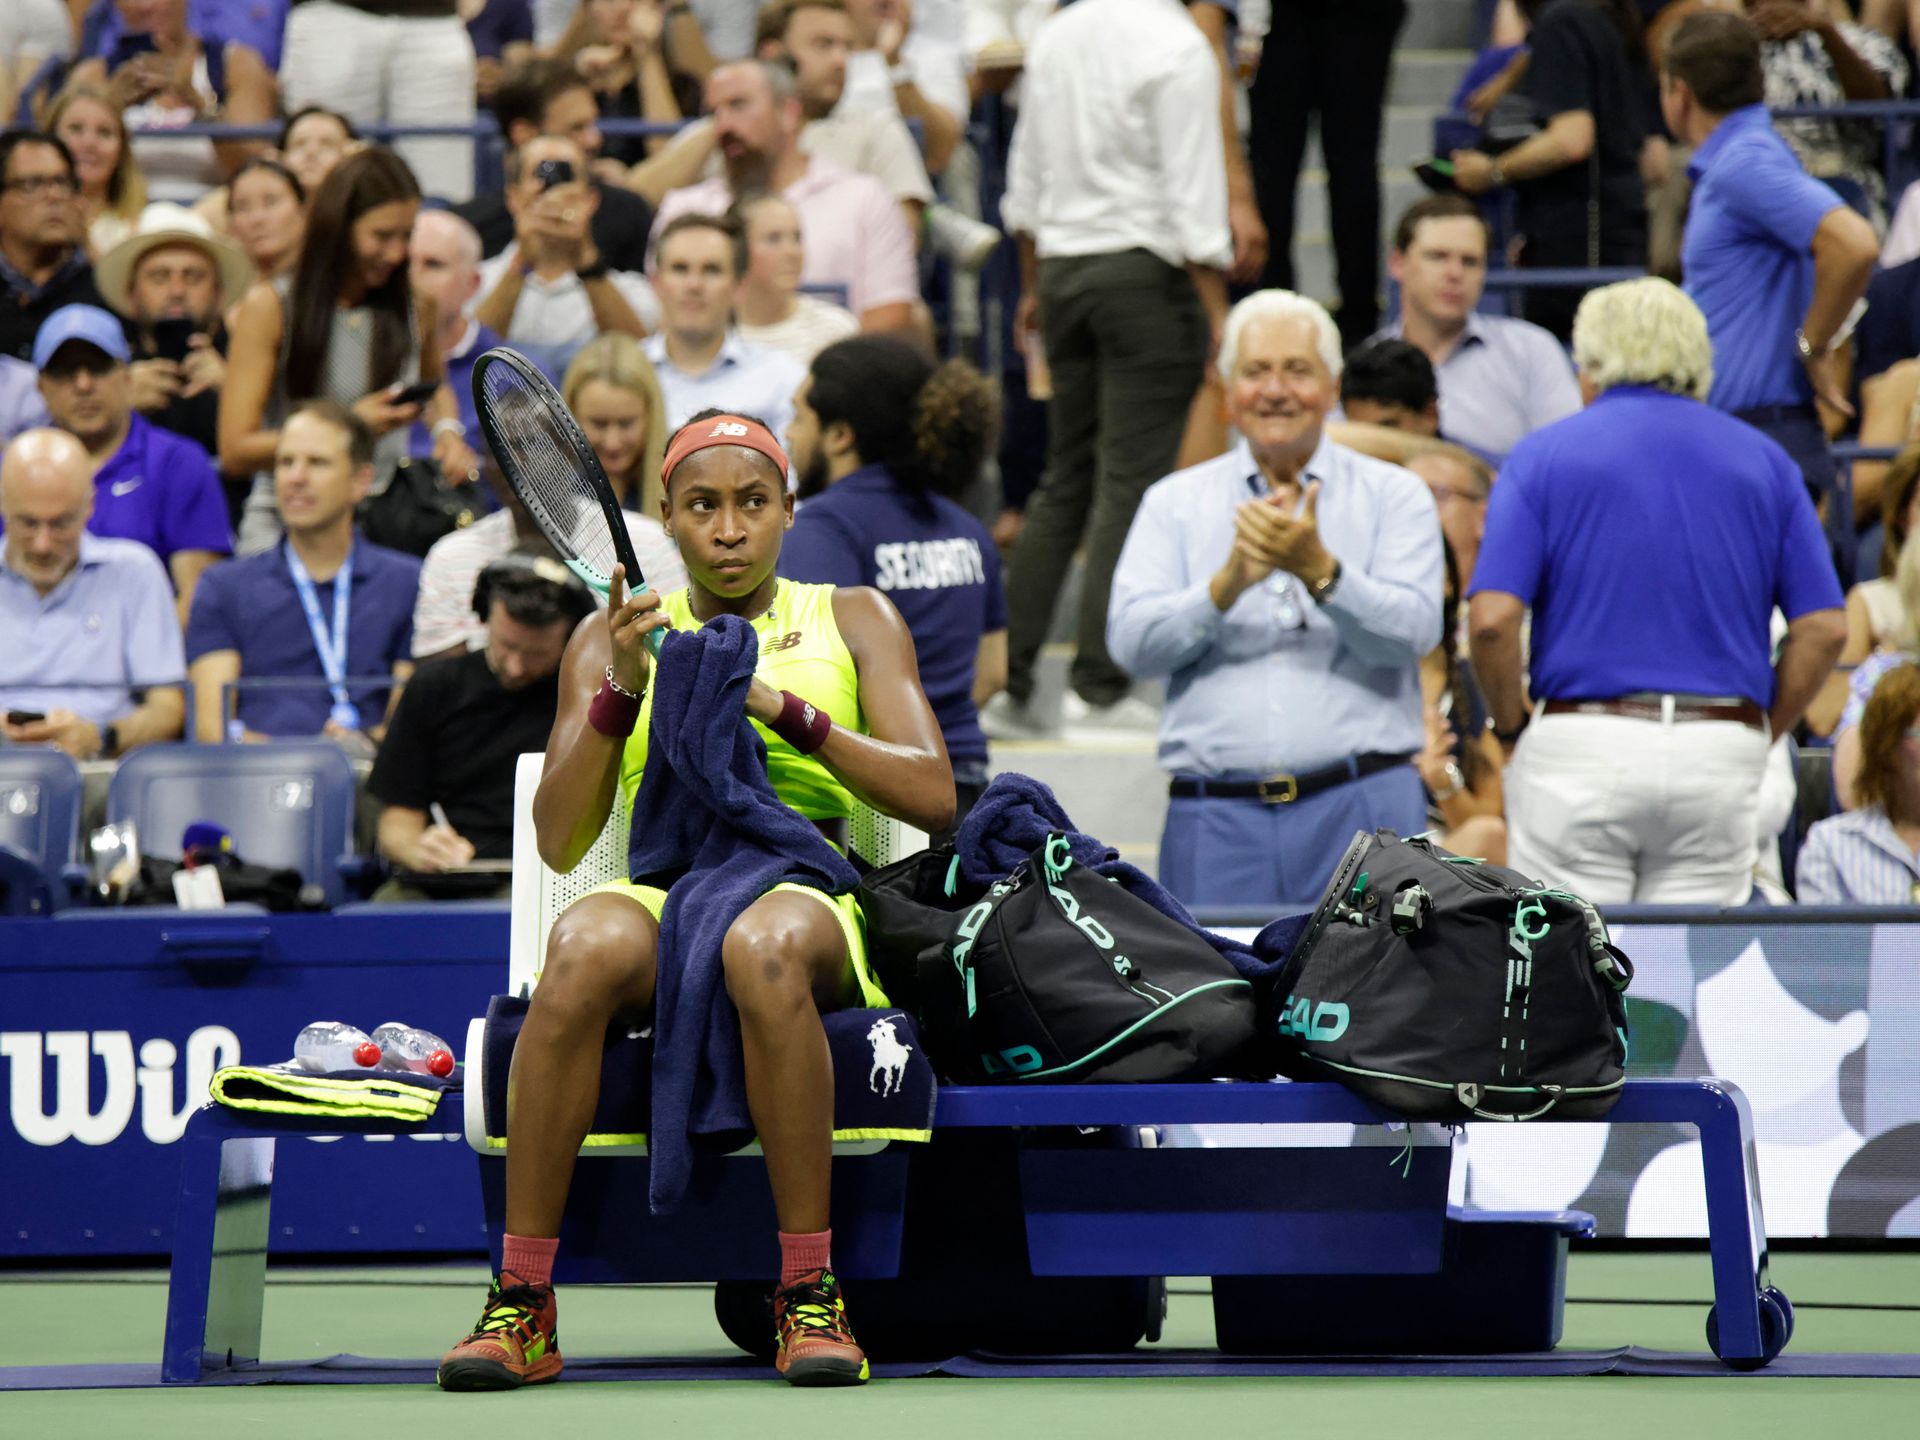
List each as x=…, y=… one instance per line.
x=722, y=430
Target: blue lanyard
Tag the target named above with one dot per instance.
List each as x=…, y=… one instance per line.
x=332, y=649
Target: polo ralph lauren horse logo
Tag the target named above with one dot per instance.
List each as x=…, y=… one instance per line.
x=890, y=1054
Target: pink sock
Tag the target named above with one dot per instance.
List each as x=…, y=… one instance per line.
x=531, y=1261
x=801, y=1255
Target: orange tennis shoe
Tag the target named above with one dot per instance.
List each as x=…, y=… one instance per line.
x=816, y=1345
x=515, y=1343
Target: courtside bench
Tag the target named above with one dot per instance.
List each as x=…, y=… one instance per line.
x=1337, y=1238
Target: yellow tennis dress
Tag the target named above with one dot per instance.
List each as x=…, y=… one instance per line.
x=800, y=650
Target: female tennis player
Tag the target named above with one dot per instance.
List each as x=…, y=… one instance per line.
x=844, y=653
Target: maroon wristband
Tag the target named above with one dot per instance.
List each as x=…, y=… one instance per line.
x=801, y=724
x=612, y=713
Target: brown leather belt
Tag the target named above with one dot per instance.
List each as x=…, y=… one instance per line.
x=1743, y=712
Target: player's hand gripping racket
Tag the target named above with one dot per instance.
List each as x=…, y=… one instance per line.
x=554, y=471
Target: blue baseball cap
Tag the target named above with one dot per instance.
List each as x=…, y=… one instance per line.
x=80, y=322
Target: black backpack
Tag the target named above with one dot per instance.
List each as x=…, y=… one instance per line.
x=1448, y=989
x=1061, y=975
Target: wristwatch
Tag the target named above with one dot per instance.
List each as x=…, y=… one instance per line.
x=109, y=741
x=1322, y=590
x=596, y=271
x=1510, y=737
x=1805, y=346
x=1496, y=175
x=1456, y=782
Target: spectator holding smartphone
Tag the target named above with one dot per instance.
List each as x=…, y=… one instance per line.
x=93, y=662
x=170, y=283
x=552, y=287
x=347, y=327
x=163, y=73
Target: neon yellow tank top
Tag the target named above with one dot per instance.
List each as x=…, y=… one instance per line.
x=800, y=650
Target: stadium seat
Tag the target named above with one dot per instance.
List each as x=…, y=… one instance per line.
x=286, y=805
x=40, y=790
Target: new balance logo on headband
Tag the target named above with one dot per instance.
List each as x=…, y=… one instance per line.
x=726, y=427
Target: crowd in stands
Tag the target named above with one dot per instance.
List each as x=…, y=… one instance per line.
x=1564, y=578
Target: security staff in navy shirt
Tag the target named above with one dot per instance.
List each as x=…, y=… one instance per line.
x=881, y=439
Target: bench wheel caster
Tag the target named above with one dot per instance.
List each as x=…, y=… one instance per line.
x=1156, y=1319
x=1776, y=1329
x=744, y=1309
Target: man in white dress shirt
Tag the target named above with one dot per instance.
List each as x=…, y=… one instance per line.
x=1286, y=593
x=551, y=287
x=700, y=360
x=1117, y=195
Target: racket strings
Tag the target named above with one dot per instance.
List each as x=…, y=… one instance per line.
x=540, y=453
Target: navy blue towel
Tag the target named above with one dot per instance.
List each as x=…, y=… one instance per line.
x=707, y=824
x=1015, y=816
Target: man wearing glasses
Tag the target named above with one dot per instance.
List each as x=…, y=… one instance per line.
x=1286, y=592
x=43, y=264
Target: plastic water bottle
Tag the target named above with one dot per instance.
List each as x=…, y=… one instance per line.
x=328, y=1045
x=403, y=1047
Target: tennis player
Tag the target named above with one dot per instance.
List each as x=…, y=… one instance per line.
x=841, y=656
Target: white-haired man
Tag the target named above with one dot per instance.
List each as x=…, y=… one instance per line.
x=1286, y=592
x=1653, y=538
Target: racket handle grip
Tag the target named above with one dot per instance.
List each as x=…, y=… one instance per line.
x=653, y=642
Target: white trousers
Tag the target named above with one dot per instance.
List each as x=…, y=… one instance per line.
x=1652, y=812
x=375, y=68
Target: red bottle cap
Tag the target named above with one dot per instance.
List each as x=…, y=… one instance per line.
x=440, y=1063
x=366, y=1053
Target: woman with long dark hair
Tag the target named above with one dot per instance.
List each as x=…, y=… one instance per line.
x=344, y=326
x=882, y=442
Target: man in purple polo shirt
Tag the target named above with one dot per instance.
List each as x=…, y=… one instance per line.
x=149, y=484
x=325, y=607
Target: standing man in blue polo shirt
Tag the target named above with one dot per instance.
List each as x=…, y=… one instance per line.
x=1653, y=538
x=1774, y=259
x=881, y=440
x=324, y=605
x=149, y=484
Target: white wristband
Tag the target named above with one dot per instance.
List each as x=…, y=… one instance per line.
x=448, y=423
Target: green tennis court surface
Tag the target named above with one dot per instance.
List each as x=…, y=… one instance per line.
x=1859, y=1302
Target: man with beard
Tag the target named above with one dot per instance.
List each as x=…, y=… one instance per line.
x=857, y=238
x=814, y=37
x=701, y=362
x=882, y=439
x=170, y=281
x=1286, y=593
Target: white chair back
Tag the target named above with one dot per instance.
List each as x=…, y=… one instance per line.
x=540, y=895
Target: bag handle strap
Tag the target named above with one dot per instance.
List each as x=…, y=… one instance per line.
x=1470, y=1095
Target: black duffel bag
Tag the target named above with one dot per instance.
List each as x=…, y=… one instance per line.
x=1059, y=974
x=1448, y=989
x=911, y=907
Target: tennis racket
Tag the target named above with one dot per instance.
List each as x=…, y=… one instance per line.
x=554, y=471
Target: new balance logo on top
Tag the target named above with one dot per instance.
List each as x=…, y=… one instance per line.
x=726, y=427
x=780, y=642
